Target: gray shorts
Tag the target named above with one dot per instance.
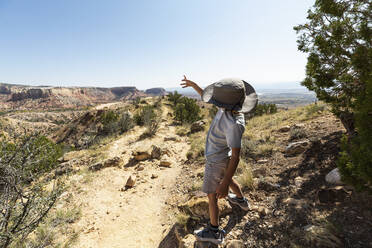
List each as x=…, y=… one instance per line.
x=213, y=175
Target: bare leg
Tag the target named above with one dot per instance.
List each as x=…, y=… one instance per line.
x=234, y=186
x=213, y=209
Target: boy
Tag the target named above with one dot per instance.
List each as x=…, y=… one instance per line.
x=233, y=97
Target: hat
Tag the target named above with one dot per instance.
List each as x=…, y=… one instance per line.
x=231, y=94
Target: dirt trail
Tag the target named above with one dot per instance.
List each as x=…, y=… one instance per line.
x=137, y=217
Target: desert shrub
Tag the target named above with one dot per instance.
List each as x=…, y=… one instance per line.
x=144, y=115
x=265, y=108
x=148, y=117
x=24, y=204
x=245, y=178
x=297, y=133
x=157, y=102
x=313, y=109
x=152, y=126
x=136, y=102
x=186, y=110
x=253, y=148
x=248, y=148
x=109, y=117
x=182, y=130
x=174, y=97
x=125, y=122
x=46, y=234
x=109, y=120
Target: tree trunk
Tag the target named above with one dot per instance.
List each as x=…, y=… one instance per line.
x=347, y=119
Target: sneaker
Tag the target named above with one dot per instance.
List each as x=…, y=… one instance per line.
x=242, y=203
x=208, y=235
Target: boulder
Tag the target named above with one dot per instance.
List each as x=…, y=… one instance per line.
x=197, y=126
x=296, y=148
x=334, y=177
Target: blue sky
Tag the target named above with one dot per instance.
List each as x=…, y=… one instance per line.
x=149, y=43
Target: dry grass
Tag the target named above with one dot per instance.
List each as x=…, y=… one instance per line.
x=182, y=219
x=48, y=233
x=183, y=130
x=245, y=176
x=197, y=146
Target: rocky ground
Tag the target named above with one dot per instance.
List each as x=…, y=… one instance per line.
x=291, y=203
x=145, y=192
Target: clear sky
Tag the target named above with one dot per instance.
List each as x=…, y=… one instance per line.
x=149, y=43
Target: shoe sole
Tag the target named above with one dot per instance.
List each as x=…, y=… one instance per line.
x=235, y=203
x=216, y=242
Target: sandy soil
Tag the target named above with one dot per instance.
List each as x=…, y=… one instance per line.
x=136, y=217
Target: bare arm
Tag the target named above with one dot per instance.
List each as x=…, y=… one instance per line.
x=189, y=83
x=222, y=189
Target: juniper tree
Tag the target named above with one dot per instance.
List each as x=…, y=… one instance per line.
x=338, y=39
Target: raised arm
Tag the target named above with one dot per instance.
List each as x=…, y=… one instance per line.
x=189, y=83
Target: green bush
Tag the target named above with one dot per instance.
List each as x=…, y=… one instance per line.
x=186, y=110
x=265, y=108
x=174, y=97
x=109, y=119
x=147, y=116
x=125, y=122
x=314, y=109
x=144, y=115
x=24, y=199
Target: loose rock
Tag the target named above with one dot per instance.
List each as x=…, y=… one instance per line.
x=111, y=162
x=296, y=148
x=156, y=152
x=131, y=181
x=96, y=166
x=334, y=177
x=197, y=126
x=153, y=176
x=284, y=129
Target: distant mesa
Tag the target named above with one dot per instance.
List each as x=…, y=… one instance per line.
x=156, y=91
x=33, y=93
x=5, y=90
x=13, y=96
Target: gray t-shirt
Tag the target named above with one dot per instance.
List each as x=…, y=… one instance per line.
x=225, y=132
